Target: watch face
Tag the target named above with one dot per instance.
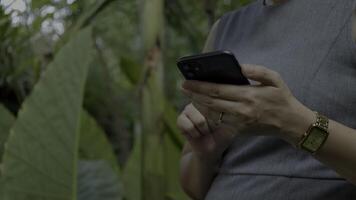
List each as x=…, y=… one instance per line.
x=316, y=138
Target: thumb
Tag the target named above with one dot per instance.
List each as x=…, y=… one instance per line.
x=262, y=74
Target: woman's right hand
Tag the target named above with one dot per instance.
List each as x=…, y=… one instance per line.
x=206, y=141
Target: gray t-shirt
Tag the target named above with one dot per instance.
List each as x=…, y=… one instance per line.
x=309, y=42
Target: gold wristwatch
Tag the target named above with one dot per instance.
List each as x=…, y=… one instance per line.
x=316, y=135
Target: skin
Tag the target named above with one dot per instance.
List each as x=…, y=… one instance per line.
x=201, y=155
x=269, y=106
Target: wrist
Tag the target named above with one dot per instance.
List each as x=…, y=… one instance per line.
x=296, y=123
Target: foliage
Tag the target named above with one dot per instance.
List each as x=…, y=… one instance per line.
x=40, y=158
x=97, y=180
x=94, y=145
x=133, y=171
x=96, y=108
x=6, y=121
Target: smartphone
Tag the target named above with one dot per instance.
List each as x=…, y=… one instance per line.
x=216, y=67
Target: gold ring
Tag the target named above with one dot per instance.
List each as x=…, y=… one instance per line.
x=221, y=117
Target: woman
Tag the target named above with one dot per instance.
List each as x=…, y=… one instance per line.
x=266, y=141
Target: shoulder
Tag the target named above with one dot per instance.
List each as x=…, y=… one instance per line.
x=225, y=22
x=231, y=19
x=210, y=42
x=249, y=8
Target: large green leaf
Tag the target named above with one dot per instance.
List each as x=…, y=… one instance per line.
x=172, y=157
x=94, y=144
x=40, y=160
x=170, y=117
x=6, y=121
x=132, y=175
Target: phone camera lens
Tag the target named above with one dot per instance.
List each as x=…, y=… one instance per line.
x=190, y=75
x=196, y=66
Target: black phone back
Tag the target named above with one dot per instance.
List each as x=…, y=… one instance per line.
x=217, y=67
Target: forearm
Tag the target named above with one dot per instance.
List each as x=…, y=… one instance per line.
x=197, y=174
x=339, y=150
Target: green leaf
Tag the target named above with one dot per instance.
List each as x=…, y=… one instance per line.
x=171, y=160
x=92, y=12
x=94, y=144
x=131, y=69
x=152, y=21
x=40, y=160
x=6, y=121
x=37, y=4
x=84, y=19
x=132, y=174
x=98, y=181
x=170, y=115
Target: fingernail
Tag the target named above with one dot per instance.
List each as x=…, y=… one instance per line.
x=186, y=92
x=185, y=84
x=188, y=84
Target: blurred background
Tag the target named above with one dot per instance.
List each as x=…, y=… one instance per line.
x=89, y=95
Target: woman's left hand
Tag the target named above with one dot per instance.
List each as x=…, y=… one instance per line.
x=268, y=107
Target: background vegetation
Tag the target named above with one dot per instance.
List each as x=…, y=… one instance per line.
x=88, y=95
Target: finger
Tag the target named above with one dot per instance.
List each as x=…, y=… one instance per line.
x=197, y=118
x=208, y=113
x=211, y=116
x=187, y=127
x=262, y=74
x=219, y=105
x=223, y=91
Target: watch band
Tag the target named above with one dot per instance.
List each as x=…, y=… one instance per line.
x=321, y=122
